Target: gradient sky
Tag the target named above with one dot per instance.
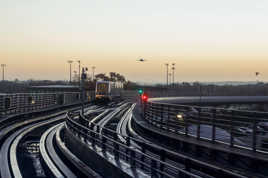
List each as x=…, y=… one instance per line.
x=209, y=40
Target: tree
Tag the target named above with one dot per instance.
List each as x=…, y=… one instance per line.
x=100, y=76
x=112, y=76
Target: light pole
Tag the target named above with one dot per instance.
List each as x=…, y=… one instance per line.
x=167, y=73
x=70, y=62
x=79, y=74
x=93, y=70
x=83, y=77
x=173, y=72
x=3, y=71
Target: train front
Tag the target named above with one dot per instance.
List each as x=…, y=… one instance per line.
x=102, y=92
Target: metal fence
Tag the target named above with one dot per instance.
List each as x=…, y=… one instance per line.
x=236, y=128
x=27, y=102
x=153, y=166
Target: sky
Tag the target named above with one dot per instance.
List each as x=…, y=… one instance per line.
x=209, y=40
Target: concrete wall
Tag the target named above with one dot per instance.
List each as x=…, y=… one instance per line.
x=91, y=158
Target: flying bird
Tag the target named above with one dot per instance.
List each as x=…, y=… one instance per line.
x=257, y=73
x=142, y=60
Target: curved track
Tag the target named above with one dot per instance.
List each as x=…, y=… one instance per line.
x=9, y=149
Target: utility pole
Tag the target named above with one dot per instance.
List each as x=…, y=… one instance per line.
x=70, y=62
x=170, y=78
x=93, y=70
x=79, y=72
x=167, y=73
x=3, y=71
x=83, y=77
x=173, y=72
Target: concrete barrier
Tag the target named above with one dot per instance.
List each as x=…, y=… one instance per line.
x=89, y=156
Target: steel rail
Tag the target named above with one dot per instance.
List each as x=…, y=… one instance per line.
x=14, y=147
x=155, y=147
x=50, y=157
x=85, y=133
x=110, y=116
x=4, y=161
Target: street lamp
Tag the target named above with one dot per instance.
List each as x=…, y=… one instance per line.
x=70, y=62
x=79, y=62
x=173, y=71
x=3, y=71
x=83, y=77
x=167, y=73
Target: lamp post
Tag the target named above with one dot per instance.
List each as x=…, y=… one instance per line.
x=170, y=75
x=79, y=74
x=167, y=73
x=3, y=71
x=173, y=76
x=83, y=78
x=70, y=62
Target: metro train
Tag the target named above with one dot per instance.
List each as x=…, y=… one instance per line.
x=107, y=91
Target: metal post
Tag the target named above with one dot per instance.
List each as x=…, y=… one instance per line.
x=144, y=109
x=198, y=123
x=162, y=116
x=186, y=125
x=231, y=130
x=79, y=72
x=83, y=77
x=167, y=73
x=70, y=62
x=167, y=122
x=254, y=135
x=173, y=76
x=213, y=125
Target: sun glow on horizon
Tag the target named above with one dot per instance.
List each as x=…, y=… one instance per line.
x=208, y=40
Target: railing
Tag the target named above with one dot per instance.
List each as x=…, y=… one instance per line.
x=236, y=128
x=154, y=166
x=27, y=102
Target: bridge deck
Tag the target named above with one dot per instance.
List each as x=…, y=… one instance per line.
x=212, y=100
x=201, y=143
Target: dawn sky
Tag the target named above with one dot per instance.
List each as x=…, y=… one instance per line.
x=209, y=40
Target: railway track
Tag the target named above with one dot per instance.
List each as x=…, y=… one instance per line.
x=21, y=137
x=145, y=165
x=112, y=125
x=128, y=136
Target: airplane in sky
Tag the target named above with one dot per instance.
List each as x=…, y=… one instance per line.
x=142, y=60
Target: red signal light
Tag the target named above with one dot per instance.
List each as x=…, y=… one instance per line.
x=144, y=97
